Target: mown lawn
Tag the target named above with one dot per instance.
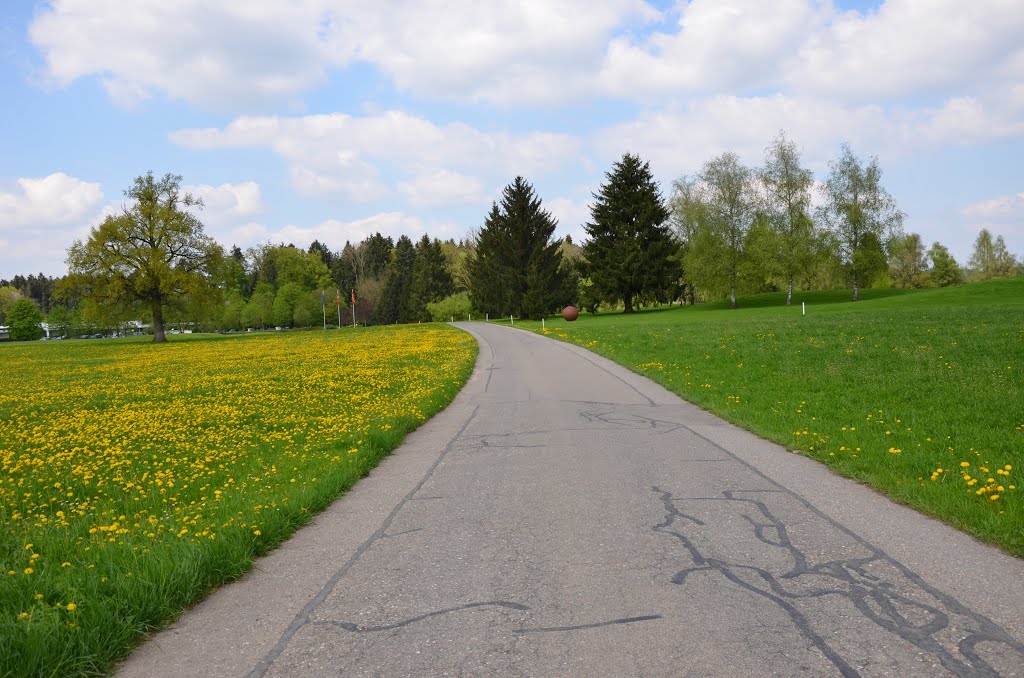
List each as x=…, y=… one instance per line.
x=134, y=478
x=919, y=394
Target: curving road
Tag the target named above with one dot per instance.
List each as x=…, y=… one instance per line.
x=567, y=517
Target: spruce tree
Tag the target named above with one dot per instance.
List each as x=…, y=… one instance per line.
x=516, y=269
x=394, y=306
x=630, y=249
x=431, y=281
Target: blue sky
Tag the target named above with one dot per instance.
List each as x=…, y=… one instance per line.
x=331, y=120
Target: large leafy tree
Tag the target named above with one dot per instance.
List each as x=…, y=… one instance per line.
x=724, y=210
x=787, y=191
x=154, y=253
x=516, y=267
x=431, y=280
x=630, y=248
x=860, y=213
x=24, y=319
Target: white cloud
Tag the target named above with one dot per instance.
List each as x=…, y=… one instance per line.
x=1001, y=206
x=906, y=47
x=572, y=214
x=507, y=51
x=719, y=45
x=54, y=200
x=680, y=141
x=442, y=187
x=227, y=201
x=40, y=217
x=236, y=55
x=341, y=154
x=217, y=55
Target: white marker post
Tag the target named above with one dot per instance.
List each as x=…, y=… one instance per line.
x=803, y=305
x=511, y=319
x=542, y=324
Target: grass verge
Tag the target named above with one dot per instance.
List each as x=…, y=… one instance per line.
x=919, y=394
x=135, y=478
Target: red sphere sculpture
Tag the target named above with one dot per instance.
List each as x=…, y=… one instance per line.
x=570, y=313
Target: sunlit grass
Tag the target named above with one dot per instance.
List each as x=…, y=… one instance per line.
x=919, y=394
x=135, y=477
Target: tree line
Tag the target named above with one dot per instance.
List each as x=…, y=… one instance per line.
x=726, y=231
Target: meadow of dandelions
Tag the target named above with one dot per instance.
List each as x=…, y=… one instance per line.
x=134, y=477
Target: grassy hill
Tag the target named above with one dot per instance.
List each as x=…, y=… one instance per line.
x=918, y=393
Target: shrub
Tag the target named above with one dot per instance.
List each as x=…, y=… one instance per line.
x=456, y=306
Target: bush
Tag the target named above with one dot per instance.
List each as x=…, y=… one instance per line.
x=24, y=319
x=456, y=306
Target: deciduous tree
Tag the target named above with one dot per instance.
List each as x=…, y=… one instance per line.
x=154, y=253
x=787, y=191
x=8, y=295
x=990, y=258
x=23, y=319
x=908, y=266
x=856, y=206
x=729, y=209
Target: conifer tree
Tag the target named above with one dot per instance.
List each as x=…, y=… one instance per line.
x=394, y=306
x=516, y=266
x=630, y=248
x=431, y=280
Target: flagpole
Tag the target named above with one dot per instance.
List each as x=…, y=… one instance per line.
x=337, y=299
x=323, y=305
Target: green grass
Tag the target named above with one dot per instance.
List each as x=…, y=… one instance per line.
x=886, y=391
x=135, y=478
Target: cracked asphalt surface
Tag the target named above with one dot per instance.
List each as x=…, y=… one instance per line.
x=567, y=517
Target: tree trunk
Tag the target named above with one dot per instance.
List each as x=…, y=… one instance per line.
x=628, y=299
x=789, y=294
x=158, y=323
x=856, y=290
x=732, y=296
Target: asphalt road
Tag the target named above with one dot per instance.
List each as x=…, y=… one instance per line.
x=565, y=517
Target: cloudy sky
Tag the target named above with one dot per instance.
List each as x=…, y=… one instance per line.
x=332, y=119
